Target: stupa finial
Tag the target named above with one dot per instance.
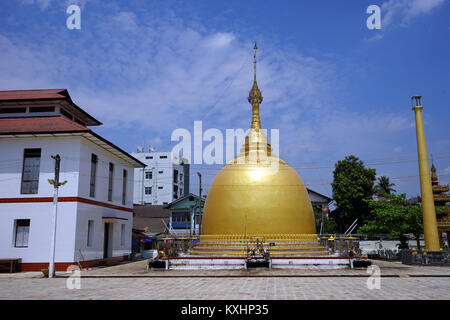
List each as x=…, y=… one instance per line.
x=255, y=96
x=254, y=60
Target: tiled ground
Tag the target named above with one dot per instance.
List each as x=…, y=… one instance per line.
x=130, y=281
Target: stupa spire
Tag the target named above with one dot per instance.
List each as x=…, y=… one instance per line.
x=255, y=96
x=434, y=178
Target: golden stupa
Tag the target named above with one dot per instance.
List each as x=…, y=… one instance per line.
x=257, y=196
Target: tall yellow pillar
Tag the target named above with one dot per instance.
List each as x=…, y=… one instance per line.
x=428, y=210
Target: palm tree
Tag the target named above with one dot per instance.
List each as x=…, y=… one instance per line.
x=384, y=186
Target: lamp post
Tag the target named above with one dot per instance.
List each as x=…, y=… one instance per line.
x=200, y=203
x=56, y=184
x=428, y=209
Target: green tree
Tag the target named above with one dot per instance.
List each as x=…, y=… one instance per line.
x=384, y=186
x=395, y=217
x=352, y=186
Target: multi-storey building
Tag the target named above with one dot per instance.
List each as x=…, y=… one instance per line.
x=95, y=206
x=164, y=179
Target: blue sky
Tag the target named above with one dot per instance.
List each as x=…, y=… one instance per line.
x=332, y=86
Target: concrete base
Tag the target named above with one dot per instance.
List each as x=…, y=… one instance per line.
x=311, y=263
x=195, y=263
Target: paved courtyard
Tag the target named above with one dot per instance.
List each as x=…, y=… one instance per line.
x=131, y=281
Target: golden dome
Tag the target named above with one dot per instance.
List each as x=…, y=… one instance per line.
x=257, y=193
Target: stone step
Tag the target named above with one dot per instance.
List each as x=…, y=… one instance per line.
x=243, y=253
x=266, y=244
x=271, y=249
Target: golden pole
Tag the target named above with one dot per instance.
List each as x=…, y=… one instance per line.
x=428, y=210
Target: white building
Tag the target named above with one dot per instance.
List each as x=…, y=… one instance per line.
x=95, y=207
x=164, y=179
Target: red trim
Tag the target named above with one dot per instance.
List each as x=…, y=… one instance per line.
x=62, y=266
x=64, y=199
x=103, y=204
x=114, y=218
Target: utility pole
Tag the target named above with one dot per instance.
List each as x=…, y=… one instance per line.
x=200, y=203
x=56, y=184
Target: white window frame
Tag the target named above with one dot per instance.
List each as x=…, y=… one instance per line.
x=21, y=234
x=90, y=235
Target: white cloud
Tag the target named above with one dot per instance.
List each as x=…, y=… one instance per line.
x=219, y=40
x=126, y=21
x=401, y=12
x=376, y=37
x=397, y=149
x=43, y=4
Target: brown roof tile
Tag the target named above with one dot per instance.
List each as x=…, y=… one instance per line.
x=33, y=94
x=58, y=95
x=152, y=218
x=39, y=125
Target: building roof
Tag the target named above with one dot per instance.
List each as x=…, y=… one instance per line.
x=320, y=195
x=183, y=198
x=151, y=218
x=52, y=124
x=60, y=126
x=61, y=96
x=11, y=95
x=150, y=211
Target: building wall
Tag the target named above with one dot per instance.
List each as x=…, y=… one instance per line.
x=164, y=180
x=73, y=215
x=11, y=162
x=88, y=148
x=39, y=239
x=88, y=212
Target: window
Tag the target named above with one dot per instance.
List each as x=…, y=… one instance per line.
x=148, y=175
x=163, y=157
x=124, y=187
x=94, y=161
x=148, y=190
x=110, y=181
x=22, y=230
x=160, y=187
x=181, y=217
x=42, y=109
x=161, y=171
x=30, y=171
x=90, y=237
x=122, y=235
x=149, y=157
x=13, y=110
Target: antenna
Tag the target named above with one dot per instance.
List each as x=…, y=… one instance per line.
x=150, y=148
x=140, y=149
